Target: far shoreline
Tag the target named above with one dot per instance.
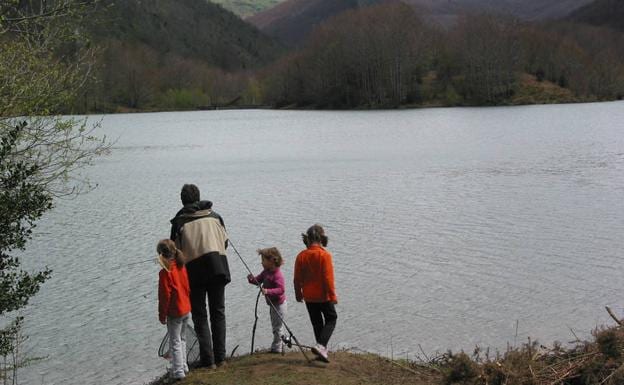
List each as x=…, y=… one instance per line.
x=129, y=111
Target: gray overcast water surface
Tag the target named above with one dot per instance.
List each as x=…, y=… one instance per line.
x=447, y=227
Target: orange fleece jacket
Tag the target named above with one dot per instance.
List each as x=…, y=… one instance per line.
x=173, y=292
x=314, y=275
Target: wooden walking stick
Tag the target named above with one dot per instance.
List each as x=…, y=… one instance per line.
x=253, y=334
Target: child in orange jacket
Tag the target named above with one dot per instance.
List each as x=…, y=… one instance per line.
x=314, y=284
x=174, y=305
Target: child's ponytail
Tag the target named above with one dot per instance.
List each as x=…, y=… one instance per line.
x=180, y=258
x=168, y=249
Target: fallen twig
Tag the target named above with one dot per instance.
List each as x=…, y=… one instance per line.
x=423, y=352
x=574, y=334
x=611, y=375
x=619, y=322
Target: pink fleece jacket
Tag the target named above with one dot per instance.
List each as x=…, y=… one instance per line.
x=273, y=282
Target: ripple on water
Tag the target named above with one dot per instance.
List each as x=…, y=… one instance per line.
x=447, y=227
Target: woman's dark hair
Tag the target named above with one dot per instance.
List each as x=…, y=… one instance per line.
x=315, y=234
x=189, y=194
x=168, y=249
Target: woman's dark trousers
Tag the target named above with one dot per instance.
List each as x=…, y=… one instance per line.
x=323, y=317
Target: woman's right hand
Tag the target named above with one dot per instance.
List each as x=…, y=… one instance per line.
x=250, y=278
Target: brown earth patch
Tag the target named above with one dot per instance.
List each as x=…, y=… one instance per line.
x=345, y=368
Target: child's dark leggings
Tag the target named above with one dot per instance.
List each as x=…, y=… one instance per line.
x=323, y=316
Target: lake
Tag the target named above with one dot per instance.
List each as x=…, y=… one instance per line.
x=450, y=228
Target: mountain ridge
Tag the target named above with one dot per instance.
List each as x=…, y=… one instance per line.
x=291, y=21
x=527, y=10
x=246, y=8
x=187, y=28
x=602, y=13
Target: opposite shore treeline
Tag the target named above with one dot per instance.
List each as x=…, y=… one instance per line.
x=384, y=56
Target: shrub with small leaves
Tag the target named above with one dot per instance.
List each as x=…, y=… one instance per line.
x=610, y=343
x=460, y=368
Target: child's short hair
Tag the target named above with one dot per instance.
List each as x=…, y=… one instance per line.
x=272, y=254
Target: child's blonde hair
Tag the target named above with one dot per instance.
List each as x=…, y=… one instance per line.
x=272, y=254
x=168, y=249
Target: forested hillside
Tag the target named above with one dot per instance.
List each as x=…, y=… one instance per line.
x=387, y=56
x=189, y=54
x=171, y=53
x=606, y=13
x=246, y=8
x=293, y=20
x=190, y=28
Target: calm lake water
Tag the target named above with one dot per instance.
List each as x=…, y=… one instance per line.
x=448, y=227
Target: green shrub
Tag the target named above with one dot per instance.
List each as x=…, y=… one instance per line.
x=182, y=99
x=460, y=369
x=609, y=343
x=451, y=97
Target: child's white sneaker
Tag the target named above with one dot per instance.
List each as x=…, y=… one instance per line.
x=178, y=377
x=321, y=352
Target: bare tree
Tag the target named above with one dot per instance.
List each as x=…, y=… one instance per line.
x=489, y=48
x=43, y=65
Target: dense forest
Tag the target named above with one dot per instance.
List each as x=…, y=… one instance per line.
x=170, y=54
x=190, y=54
x=385, y=56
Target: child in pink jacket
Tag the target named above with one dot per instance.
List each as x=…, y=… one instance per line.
x=274, y=289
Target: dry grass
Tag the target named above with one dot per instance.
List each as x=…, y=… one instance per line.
x=597, y=362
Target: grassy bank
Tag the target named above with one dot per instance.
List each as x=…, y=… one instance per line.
x=596, y=362
x=346, y=368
